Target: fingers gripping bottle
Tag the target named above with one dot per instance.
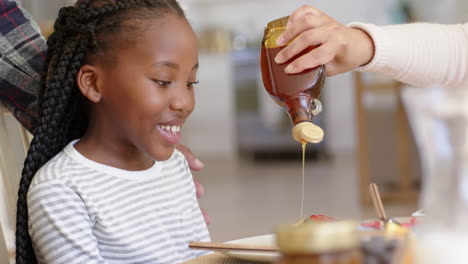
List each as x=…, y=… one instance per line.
x=298, y=93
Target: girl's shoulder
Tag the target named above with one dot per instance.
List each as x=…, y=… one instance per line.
x=54, y=166
x=61, y=167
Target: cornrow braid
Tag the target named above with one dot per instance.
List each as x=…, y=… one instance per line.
x=64, y=115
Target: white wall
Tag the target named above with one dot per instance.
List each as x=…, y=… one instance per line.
x=251, y=16
x=42, y=10
x=441, y=11
x=210, y=129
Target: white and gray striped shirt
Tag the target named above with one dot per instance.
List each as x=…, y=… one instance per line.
x=81, y=211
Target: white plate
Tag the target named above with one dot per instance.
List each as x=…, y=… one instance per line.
x=270, y=240
x=266, y=240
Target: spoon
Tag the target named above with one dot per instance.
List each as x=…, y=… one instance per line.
x=378, y=205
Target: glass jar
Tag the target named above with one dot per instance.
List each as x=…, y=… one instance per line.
x=441, y=130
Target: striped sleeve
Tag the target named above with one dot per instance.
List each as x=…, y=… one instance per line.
x=60, y=226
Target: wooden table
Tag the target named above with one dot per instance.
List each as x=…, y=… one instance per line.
x=217, y=258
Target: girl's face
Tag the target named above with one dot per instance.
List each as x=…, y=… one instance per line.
x=147, y=94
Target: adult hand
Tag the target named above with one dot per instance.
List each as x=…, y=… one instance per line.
x=196, y=165
x=340, y=48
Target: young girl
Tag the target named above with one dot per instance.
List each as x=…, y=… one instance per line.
x=102, y=182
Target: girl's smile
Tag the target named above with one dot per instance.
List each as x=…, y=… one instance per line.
x=171, y=131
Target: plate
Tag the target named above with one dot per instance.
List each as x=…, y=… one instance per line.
x=270, y=240
x=265, y=240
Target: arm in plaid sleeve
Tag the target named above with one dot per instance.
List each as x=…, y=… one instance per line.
x=22, y=56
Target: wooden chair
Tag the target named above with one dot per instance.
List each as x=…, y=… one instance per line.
x=405, y=190
x=4, y=252
x=14, y=143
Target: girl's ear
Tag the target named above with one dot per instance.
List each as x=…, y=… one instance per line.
x=87, y=80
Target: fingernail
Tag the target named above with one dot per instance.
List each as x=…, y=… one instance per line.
x=279, y=58
x=198, y=163
x=280, y=40
x=289, y=69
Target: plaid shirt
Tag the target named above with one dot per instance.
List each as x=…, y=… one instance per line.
x=22, y=56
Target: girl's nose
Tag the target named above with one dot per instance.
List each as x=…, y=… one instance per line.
x=183, y=101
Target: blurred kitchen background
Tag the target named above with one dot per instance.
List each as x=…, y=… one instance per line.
x=253, y=171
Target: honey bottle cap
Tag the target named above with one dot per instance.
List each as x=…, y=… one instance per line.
x=307, y=131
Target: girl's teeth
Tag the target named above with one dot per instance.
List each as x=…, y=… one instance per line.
x=173, y=129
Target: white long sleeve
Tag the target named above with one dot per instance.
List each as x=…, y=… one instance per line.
x=420, y=54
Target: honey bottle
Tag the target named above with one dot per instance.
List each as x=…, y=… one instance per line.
x=298, y=93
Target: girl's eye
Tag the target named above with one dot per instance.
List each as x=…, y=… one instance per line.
x=162, y=83
x=191, y=84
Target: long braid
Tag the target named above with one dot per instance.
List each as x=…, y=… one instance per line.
x=46, y=143
x=64, y=113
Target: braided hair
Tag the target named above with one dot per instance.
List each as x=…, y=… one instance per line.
x=90, y=28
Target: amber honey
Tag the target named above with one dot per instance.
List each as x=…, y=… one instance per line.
x=304, y=144
x=298, y=92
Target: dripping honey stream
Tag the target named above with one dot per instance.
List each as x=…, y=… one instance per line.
x=304, y=144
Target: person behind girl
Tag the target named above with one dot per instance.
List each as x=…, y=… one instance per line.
x=102, y=181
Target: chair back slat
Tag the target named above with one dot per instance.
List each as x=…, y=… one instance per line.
x=14, y=143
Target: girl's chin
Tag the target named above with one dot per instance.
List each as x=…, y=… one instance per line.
x=162, y=155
